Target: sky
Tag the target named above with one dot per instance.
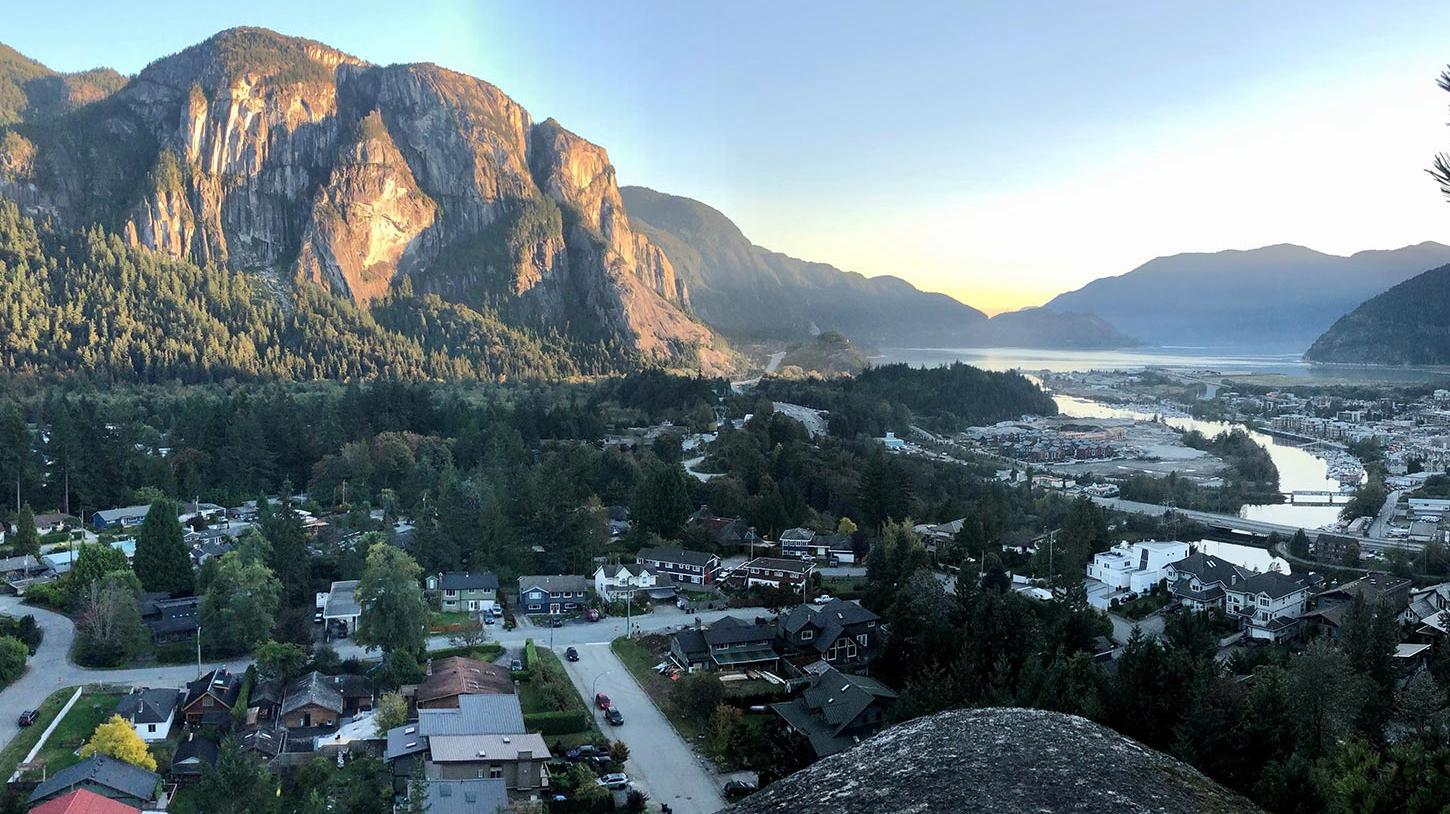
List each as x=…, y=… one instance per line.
x=999, y=152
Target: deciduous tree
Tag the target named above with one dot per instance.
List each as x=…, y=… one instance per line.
x=118, y=739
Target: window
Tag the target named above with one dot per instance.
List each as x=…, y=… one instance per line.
x=151, y=727
x=861, y=638
x=495, y=771
x=807, y=635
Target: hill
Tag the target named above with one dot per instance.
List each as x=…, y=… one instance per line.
x=29, y=91
x=1407, y=325
x=1271, y=299
x=751, y=293
x=830, y=354
x=999, y=760
x=327, y=178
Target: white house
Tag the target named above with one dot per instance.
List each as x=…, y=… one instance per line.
x=150, y=712
x=1135, y=567
x=617, y=581
x=1269, y=604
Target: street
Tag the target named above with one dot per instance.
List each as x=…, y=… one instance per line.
x=50, y=668
x=660, y=762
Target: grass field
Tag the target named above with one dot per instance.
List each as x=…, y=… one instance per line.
x=640, y=662
x=21, y=744
x=74, y=729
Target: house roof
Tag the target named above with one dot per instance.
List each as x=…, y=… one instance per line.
x=554, y=583
x=101, y=770
x=833, y=700
x=315, y=690
x=797, y=535
x=457, y=675
x=717, y=635
x=477, y=748
x=1374, y=587
x=478, y=796
x=124, y=512
x=475, y=715
x=83, y=801
x=1209, y=569
x=692, y=644
x=1272, y=583
x=778, y=564
x=342, y=600
x=223, y=685
x=194, y=755
x=468, y=581
x=682, y=556
x=144, y=706
x=265, y=742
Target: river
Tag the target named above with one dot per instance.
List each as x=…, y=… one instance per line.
x=1298, y=469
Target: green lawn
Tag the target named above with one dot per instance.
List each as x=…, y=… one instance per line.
x=640, y=662
x=22, y=743
x=441, y=621
x=75, y=728
x=1143, y=605
x=843, y=587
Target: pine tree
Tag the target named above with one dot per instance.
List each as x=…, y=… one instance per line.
x=162, y=561
x=27, y=539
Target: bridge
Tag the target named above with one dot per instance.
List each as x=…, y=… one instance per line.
x=1308, y=497
x=1261, y=528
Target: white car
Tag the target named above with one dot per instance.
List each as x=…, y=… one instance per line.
x=617, y=781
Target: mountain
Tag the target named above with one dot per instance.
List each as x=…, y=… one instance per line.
x=29, y=91
x=1407, y=325
x=754, y=294
x=1012, y=761
x=1272, y=299
x=830, y=354
x=313, y=171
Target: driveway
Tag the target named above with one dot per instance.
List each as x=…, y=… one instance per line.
x=1152, y=627
x=50, y=668
x=660, y=762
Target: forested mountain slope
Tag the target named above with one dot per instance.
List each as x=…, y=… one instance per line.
x=1407, y=325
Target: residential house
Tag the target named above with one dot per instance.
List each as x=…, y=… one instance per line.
x=340, y=608
x=264, y=742
x=55, y=521
x=102, y=775
x=1269, y=604
x=192, y=759
x=729, y=533
x=451, y=678
x=477, y=796
x=729, y=644
x=465, y=591
x=521, y=761
x=684, y=567
x=1200, y=581
x=801, y=543
x=1332, y=605
x=311, y=700
x=408, y=746
x=553, y=595
x=171, y=620
x=82, y=801
x=774, y=572
x=841, y=632
x=150, y=712
x=838, y=711
x=20, y=567
x=1135, y=567
x=1429, y=610
x=936, y=536
x=617, y=581
x=209, y=699
x=124, y=517
x=618, y=521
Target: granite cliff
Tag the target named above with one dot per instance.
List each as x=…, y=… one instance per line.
x=998, y=760
x=262, y=153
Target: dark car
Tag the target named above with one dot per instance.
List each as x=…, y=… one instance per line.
x=516, y=665
x=736, y=789
x=28, y=717
x=582, y=752
x=557, y=622
x=571, y=654
x=614, y=716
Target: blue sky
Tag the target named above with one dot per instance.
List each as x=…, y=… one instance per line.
x=1001, y=152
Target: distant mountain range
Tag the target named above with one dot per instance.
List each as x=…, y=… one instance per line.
x=1407, y=325
x=1272, y=299
x=751, y=293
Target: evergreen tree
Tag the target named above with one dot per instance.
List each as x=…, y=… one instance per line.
x=661, y=501
x=27, y=540
x=162, y=561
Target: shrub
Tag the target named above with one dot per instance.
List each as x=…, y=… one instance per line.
x=564, y=722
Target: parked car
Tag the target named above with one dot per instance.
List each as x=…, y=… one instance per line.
x=557, y=622
x=738, y=788
x=317, y=617
x=592, y=615
x=571, y=654
x=602, y=701
x=516, y=665
x=583, y=752
x=28, y=717
x=615, y=781
x=825, y=598
x=614, y=716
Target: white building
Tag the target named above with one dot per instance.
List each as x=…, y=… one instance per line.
x=150, y=712
x=615, y=582
x=1269, y=604
x=1135, y=567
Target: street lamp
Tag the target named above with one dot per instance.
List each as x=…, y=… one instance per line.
x=594, y=685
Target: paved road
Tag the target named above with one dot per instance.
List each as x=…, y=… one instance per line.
x=660, y=761
x=50, y=669
x=664, y=618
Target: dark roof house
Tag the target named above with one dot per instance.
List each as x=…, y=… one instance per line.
x=838, y=710
x=840, y=631
x=105, y=776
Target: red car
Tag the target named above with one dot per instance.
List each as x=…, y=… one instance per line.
x=601, y=700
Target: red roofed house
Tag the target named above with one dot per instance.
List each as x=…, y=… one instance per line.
x=82, y=801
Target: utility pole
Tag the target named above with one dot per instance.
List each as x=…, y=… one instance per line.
x=198, y=650
x=628, y=614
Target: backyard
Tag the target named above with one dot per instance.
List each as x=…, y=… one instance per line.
x=90, y=710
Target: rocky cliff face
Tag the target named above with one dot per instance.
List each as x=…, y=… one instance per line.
x=997, y=760
x=257, y=151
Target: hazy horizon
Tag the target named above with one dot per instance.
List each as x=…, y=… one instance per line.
x=997, y=154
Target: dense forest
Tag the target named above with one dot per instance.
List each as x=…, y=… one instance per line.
x=87, y=302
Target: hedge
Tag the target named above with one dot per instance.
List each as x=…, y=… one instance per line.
x=488, y=651
x=565, y=722
x=530, y=654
